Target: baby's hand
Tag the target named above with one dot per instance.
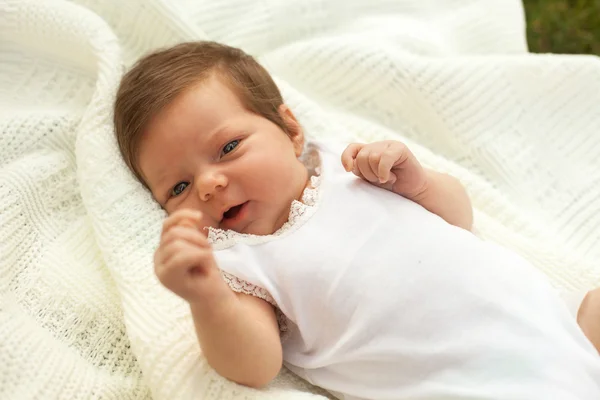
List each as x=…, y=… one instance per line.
x=388, y=164
x=184, y=261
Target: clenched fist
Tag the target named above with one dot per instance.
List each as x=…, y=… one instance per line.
x=388, y=164
x=184, y=261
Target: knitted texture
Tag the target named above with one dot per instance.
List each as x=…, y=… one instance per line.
x=82, y=315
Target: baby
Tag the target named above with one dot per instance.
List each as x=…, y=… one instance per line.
x=370, y=287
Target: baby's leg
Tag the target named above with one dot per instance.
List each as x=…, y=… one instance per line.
x=588, y=317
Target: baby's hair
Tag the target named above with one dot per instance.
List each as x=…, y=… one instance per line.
x=158, y=78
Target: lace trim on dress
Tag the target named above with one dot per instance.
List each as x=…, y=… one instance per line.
x=241, y=286
x=300, y=211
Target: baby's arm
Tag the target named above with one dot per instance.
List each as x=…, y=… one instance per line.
x=391, y=165
x=240, y=338
x=445, y=196
x=238, y=333
x=588, y=317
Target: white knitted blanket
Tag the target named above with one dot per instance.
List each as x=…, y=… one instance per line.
x=82, y=315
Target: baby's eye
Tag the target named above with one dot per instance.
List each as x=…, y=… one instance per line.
x=229, y=147
x=178, y=189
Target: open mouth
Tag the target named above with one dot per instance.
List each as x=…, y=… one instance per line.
x=233, y=211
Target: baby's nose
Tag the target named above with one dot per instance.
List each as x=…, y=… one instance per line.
x=209, y=184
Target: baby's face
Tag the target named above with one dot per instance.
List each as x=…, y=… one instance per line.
x=206, y=152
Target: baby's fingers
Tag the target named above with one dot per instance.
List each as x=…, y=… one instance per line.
x=350, y=154
x=366, y=159
x=166, y=251
x=181, y=266
x=185, y=217
x=169, y=259
x=191, y=260
x=191, y=235
x=384, y=168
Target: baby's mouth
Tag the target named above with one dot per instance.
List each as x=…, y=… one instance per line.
x=233, y=211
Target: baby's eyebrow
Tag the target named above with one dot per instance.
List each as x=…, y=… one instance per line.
x=225, y=130
x=161, y=178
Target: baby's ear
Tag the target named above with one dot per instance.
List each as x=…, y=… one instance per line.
x=295, y=131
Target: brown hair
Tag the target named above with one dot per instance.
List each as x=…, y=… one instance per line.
x=158, y=78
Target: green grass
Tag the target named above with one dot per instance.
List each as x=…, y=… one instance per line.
x=563, y=26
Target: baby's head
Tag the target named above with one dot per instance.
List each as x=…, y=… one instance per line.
x=204, y=127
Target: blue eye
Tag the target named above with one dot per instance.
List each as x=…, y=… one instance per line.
x=229, y=147
x=178, y=189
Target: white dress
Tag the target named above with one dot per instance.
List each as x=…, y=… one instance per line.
x=381, y=299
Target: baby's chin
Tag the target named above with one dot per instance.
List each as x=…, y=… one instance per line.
x=261, y=226
x=206, y=225
x=258, y=228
